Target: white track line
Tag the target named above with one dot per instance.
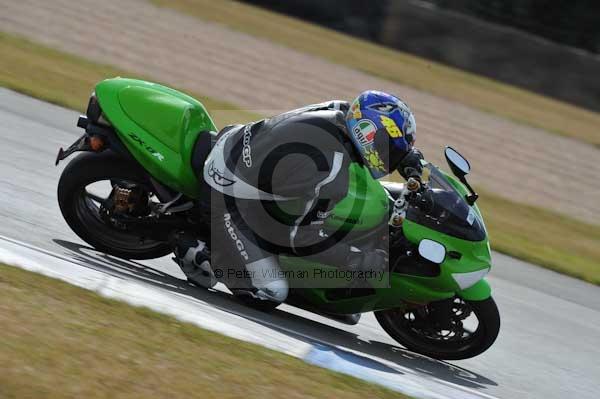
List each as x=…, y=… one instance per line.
x=243, y=327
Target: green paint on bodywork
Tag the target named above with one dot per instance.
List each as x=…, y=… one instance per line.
x=478, y=292
x=159, y=126
x=475, y=256
x=363, y=208
x=365, y=205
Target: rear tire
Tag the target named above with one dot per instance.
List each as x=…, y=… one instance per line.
x=486, y=311
x=84, y=170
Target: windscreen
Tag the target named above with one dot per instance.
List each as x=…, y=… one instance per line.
x=445, y=210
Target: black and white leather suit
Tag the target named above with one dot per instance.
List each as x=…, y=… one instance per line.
x=273, y=184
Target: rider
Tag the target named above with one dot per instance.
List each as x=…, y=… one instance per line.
x=301, y=155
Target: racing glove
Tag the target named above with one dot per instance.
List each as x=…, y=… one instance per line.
x=410, y=165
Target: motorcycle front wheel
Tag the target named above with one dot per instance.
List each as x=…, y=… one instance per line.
x=83, y=188
x=453, y=329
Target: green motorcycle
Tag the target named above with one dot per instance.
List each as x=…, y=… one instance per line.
x=134, y=186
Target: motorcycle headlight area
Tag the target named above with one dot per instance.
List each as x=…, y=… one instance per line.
x=466, y=280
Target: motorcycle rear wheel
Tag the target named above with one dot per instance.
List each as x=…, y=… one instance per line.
x=409, y=328
x=81, y=209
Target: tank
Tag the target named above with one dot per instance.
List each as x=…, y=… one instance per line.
x=365, y=205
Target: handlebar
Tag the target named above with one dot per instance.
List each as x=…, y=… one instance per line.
x=413, y=184
x=411, y=194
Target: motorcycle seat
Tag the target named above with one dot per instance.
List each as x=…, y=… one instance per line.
x=204, y=144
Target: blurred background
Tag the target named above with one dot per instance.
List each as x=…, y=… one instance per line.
x=501, y=39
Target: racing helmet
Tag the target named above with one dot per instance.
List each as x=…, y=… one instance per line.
x=382, y=128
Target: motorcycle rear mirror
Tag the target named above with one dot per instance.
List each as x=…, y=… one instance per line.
x=459, y=165
x=433, y=251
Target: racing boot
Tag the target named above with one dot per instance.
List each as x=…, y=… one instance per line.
x=193, y=257
x=268, y=279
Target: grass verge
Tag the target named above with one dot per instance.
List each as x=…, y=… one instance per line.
x=533, y=234
x=68, y=80
x=80, y=344
x=463, y=87
x=543, y=237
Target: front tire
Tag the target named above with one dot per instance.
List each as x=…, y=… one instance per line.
x=416, y=329
x=82, y=214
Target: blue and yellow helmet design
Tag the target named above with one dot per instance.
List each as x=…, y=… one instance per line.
x=382, y=128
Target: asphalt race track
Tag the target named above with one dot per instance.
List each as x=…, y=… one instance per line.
x=548, y=347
